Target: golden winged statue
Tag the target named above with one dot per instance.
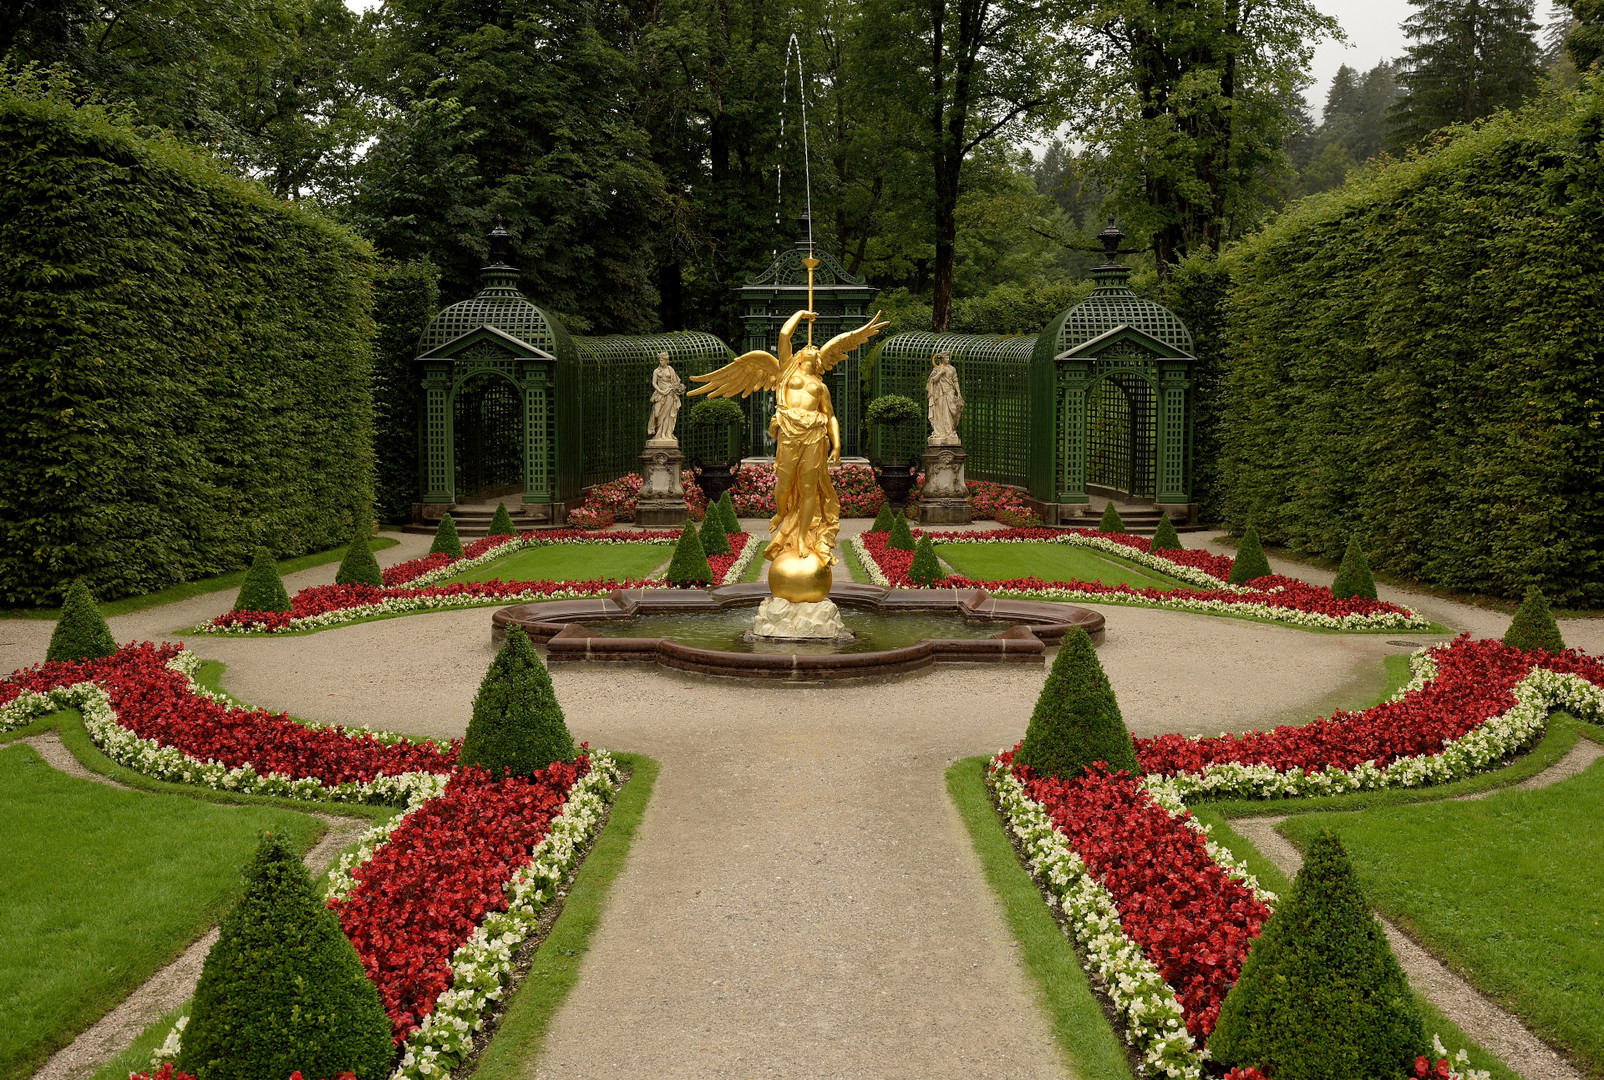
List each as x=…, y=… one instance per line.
x=807, y=514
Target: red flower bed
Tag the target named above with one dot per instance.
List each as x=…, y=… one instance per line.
x=1475, y=681
x=1190, y=918
x=442, y=871
x=154, y=702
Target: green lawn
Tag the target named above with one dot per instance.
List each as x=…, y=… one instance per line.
x=758, y=568
x=575, y=562
x=1507, y=888
x=100, y=888
x=1052, y=562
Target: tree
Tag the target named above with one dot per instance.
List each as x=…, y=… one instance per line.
x=1353, y=127
x=1469, y=57
x=262, y=589
x=1533, y=626
x=81, y=633
x=517, y=725
x=359, y=567
x=1584, y=41
x=1195, y=106
x=1077, y=721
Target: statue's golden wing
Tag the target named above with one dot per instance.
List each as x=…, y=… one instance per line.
x=756, y=370
x=838, y=347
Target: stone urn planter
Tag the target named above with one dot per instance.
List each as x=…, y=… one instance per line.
x=896, y=481
x=715, y=480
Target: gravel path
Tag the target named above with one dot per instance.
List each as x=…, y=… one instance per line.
x=1497, y=1031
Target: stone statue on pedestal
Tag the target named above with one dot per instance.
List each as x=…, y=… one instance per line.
x=946, y=401
x=661, y=503
x=667, y=390
x=945, y=498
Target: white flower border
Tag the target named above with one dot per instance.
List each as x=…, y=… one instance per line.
x=519, y=543
x=169, y=763
x=1381, y=620
x=1153, y=561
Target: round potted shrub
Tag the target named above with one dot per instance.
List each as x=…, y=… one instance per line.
x=894, y=473
x=723, y=418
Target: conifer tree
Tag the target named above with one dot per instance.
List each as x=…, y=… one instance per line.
x=359, y=567
x=884, y=518
x=1533, y=626
x=501, y=522
x=446, y=541
x=1250, y=562
x=263, y=589
x=81, y=633
x=926, y=568
x=1111, y=522
x=689, y=568
x=517, y=724
x=726, y=506
x=715, y=540
x=1353, y=576
x=1469, y=57
x=1165, y=537
x=1077, y=719
x=1320, y=996
x=283, y=990
x=901, y=536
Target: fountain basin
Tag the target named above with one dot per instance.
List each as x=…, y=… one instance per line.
x=619, y=627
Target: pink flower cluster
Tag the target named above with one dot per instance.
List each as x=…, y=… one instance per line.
x=616, y=500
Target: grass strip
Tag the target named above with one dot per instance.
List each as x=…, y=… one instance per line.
x=855, y=570
x=1051, y=562
x=758, y=566
x=518, y=1040
x=136, y=1058
x=1074, y=1013
x=103, y=888
x=187, y=590
x=571, y=562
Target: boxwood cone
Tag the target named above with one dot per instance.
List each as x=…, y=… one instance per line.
x=726, y=505
x=901, y=536
x=1165, y=537
x=715, y=539
x=689, y=566
x=1111, y=522
x=81, y=633
x=1532, y=628
x=501, y=522
x=446, y=541
x=359, y=567
x=263, y=589
x=283, y=989
x=517, y=725
x=1353, y=576
x=926, y=568
x=1250, y=562
x=1077, y=719
x=883, y=519
x=1320, y=996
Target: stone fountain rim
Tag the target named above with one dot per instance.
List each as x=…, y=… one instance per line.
x=561, y=625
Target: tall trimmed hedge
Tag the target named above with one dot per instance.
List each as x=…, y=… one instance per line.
x=405, y=297
x=186, y=362
x=1422, y=348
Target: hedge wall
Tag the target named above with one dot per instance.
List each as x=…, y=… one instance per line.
x=1418, y=359
x=186, y=362
x=405, y=297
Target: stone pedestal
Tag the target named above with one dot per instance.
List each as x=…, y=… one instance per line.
x=662, y=495
x=945, y=498
x=779, y=619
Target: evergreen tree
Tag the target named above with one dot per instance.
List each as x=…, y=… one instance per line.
x=517, y=724
x=1111, y=522
x=1320, y=996
x=1469, y=57
x=359, y=567
x=283, y=989
x=263, y=589
x=726, y=506
x=1584, y=41
x=689, y=568
x=926, y=568
x=501, y=522
x=446, y=541
x=901, y=536
x=1250, y=562
x=1533, y=626
x=1164, y=537
x=1077, y=720
x=81, y=633
x=1353, y=576
x=883, y=518
x=715, y=539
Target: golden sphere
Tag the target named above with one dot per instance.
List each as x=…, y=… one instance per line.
x=800, y=579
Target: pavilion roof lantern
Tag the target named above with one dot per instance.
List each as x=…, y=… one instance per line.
x=1112, y=304
x=498, y=305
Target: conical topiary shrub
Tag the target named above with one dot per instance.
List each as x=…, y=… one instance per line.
x=517, y=724
x=726, y=506
x=926, y=568
x=359, y=567
x=1111, y=522
x=1250, y=562
x=1164, y=537
x=283, y=989
x=689, y=566
x=1532, y=628
x=501, y=522
x=446, y=541
x=1353, y=576
x=263, y=589
x=883, y=519
x=1077, y=720
x=715, y=540
x=81, y=633
x=901, y=536
x=1320, y=996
